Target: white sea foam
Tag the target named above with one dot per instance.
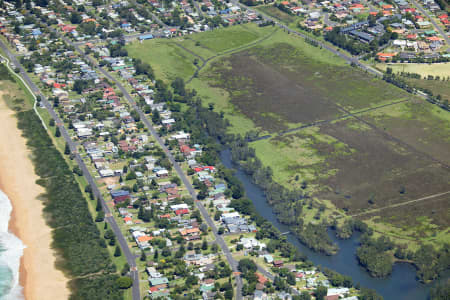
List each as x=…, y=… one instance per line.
x=10, y=253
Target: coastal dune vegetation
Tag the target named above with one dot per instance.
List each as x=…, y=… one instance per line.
x=75, y=235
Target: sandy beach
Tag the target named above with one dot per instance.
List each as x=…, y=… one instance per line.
x=38, y=275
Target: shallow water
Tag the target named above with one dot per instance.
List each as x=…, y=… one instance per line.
x=11, y=250
x=400, y=285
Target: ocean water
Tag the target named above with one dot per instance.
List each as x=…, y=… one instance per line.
x=11, y=250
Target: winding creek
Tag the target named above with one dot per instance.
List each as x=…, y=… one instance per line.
x=400, y=285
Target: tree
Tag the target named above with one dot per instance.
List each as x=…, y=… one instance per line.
x=76, y=18
x=156, y=117
x=303, y=296
x=67, y=149
x=191, y=280
x=125, y=269
x=99, y=205
x=247, y=265
x=117, y=252
x=369, y=294
x=51, y=123
x=143, y=256
x=166, y=252
x=100, y=216
x=124, y=282
x=141, y=212
x=109, y=234
x=290, y=278
x=175, y=180
x=321, y=292
x=57, y=132
x=179, y=86
x=131, y=176
x=204, y=245
x=77, y=171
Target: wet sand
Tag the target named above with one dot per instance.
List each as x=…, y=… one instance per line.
x=38, y=275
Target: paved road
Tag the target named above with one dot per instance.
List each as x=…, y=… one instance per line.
x=346, y=57
x=220, y=241
x=327, y=21
x=438, y=28
x=127, y=37
x=64, y=133
x=198, y=8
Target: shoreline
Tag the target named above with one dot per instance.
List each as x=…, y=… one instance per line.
x=12, y=227
x=38, y=275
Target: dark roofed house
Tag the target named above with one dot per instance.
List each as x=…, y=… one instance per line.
x=278, y=263
x=120, y=196
x=362, y=36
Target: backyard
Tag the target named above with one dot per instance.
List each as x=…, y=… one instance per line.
x=357, y=143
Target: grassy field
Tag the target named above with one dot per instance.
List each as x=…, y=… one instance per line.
x=440, y=69
x=437, y=87
x=221, y=40
x=360, y=144
x=165, y=57
x=279, y=85
x=376, y=159
x=169, y=60
x=274, y=12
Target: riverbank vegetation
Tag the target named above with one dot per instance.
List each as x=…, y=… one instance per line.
x=75, y=235
x=209, y=128
x=321, y=158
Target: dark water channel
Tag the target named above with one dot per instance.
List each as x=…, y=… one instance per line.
x=400, y=285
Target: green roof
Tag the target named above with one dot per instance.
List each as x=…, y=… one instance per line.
x=158, y=281
x=158, y=294
x=206, y=288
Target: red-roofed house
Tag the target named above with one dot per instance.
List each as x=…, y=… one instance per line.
x=183, y=211
x=261, y=278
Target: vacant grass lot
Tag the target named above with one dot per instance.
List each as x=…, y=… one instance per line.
x=281, y=86
x=382, y=155
x=274, y=12
x=170, y=60
x=220, y=40
x=422, y=125
x=165, y=57
x=440, y=69
x=437, y=87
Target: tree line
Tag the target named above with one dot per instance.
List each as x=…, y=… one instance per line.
x=75, y=235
